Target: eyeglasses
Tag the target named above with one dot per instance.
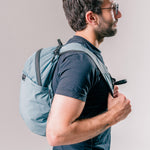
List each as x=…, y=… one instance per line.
x=115, y=7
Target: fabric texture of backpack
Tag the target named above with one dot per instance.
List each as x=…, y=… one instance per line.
x=36, y=93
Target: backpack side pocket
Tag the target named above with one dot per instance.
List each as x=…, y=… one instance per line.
x=34, y=105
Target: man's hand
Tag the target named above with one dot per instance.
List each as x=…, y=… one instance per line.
x=120, y=106
x=116, y=92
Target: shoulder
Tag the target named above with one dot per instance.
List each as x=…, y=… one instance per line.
x=76, y=73
x=79, y=60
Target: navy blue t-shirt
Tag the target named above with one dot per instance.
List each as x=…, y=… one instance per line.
x=77, y=76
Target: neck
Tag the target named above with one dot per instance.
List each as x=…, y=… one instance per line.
x=90, y=36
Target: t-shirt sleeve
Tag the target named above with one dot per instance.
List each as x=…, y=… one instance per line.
x=75, y=76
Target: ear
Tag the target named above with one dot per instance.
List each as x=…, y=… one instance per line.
x=91, y=18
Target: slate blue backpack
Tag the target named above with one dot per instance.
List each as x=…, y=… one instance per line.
x=36, y=93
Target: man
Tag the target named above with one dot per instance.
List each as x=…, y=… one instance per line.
x=83, y=110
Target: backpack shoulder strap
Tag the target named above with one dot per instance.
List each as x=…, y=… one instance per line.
x=99, y=64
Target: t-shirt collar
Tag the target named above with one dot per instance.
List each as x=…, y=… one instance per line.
x=86, y=43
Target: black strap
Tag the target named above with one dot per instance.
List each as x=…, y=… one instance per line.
x=37, y=67
x=56, y=52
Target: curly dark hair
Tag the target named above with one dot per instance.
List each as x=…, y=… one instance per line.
x=75, y=11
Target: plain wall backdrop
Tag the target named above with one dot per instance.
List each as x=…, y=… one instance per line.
x=28, y=25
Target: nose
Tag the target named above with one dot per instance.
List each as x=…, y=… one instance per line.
x=119, y=15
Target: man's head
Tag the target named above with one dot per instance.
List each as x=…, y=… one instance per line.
x=98, y=14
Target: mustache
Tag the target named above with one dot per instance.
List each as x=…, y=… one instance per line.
x=115, y=22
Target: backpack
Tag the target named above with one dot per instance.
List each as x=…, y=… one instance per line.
x=36, y=93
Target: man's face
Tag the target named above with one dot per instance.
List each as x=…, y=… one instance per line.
x=107, y=21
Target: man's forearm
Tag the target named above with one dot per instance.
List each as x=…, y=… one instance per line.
x=65, y=132
x=82, y=130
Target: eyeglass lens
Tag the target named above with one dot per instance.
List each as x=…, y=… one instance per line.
x=116, y=8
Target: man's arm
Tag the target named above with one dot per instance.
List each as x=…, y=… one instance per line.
x=64, y=129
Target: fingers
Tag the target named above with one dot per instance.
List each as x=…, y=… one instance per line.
x=121, y=106
x=115, y=87
x=129, y=104
x=127, y=109
x=116, y=92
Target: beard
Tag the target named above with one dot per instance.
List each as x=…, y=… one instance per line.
x=105, y=29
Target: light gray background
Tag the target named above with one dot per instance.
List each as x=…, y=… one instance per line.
x=27, y=25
